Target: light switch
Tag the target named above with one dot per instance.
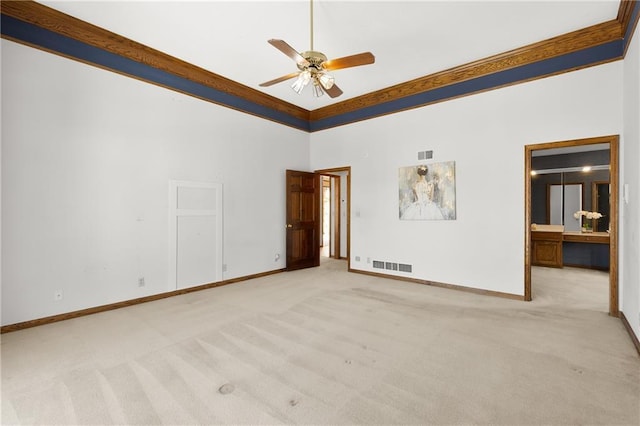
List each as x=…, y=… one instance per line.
x=625, y=193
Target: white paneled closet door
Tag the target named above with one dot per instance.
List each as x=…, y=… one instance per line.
x=195, y=234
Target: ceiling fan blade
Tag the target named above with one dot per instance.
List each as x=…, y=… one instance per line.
x=365, y=58
x=282, y=46
x=334, y=91
x=279, y=79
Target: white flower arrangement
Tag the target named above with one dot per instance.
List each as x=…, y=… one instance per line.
x=586, y=224
x=588, y=215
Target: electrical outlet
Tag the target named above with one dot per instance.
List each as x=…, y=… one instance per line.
x=357, y=258
x=57, y=295
x=224, y=267
x=277, y=257
x=368, y=260
x=141, y=282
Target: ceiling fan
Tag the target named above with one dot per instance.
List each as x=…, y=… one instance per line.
x=313, y=66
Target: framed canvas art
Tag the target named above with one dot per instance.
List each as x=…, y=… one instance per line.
x=427, y=191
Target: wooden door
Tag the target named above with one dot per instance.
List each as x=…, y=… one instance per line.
x=303, y=219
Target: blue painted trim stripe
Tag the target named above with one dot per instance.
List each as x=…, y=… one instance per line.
x=593, y=55
x=51, y=41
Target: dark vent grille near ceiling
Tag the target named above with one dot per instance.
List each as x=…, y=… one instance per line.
x=425, y=155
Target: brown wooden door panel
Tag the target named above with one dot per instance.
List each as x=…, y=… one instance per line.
x=303, y=219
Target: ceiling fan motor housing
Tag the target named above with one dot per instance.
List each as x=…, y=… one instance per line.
x=315, y=60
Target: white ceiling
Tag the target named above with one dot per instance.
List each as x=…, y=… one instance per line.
x=409, y=39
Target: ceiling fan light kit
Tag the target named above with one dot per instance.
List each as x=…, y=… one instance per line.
x=317, y=89
x=301, y=82
x=326, y=80
x=313, y=67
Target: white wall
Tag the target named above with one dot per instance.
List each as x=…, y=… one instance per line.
x=630, y=212
x=485, y=135
x=87, y=156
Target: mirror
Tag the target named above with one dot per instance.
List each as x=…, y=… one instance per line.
x=562, y=185
x=564, y=201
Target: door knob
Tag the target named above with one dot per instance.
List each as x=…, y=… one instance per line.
x=289, y=225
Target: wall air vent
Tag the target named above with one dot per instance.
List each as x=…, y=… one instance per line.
x=425, y=155
x=392, y=266
x=404, y=268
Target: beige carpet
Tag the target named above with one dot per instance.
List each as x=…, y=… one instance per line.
x=323, y=346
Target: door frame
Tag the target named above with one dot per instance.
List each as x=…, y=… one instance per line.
x=613, y=141
x=334, y=213
x=346, y=169
x=325, y=183
x=336, y=184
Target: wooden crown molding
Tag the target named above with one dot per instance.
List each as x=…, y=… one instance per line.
x=627, y=23
x=550, y=48
x=42, y=16
x=625, y=13
x=66, y=25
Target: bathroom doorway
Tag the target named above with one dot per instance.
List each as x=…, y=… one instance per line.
x=586, y=236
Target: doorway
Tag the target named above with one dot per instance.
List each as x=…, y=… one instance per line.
x=336, y=206
x=331, y=213
x=571, y=146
